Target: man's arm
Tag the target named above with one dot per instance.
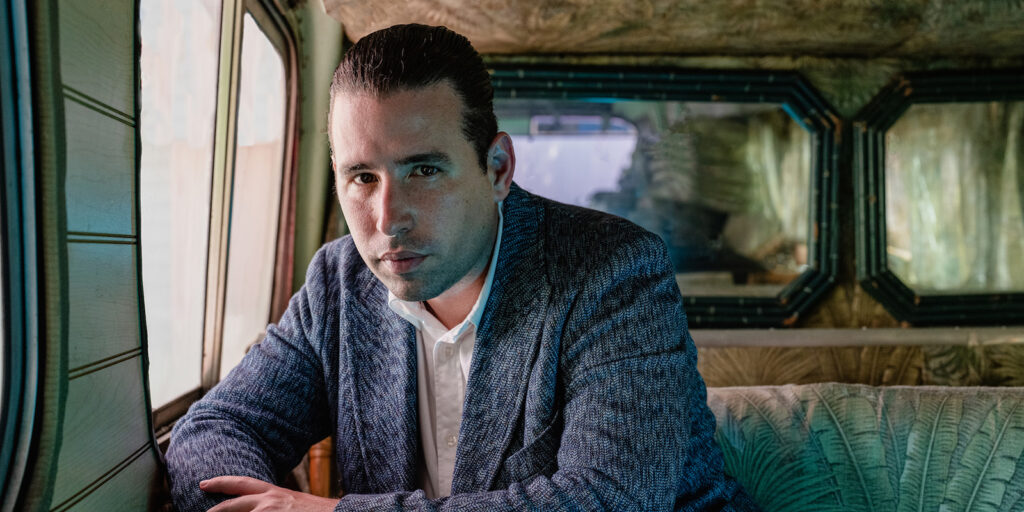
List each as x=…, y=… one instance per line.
x=631, y=408
x=265, y=414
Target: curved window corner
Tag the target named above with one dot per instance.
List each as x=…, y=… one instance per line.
x=939, y=163
x=735, y=172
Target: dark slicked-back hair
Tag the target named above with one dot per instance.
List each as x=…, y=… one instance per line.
x=412, y=56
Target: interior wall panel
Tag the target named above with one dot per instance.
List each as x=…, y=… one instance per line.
x=100, y=170
x=104, y=425
x=110, y=496
x=97, y=50
x=107, y=458
x=102, y=302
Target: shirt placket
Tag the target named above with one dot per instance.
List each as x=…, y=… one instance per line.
x=448, y=391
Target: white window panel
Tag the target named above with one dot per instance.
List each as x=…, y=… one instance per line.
x=180, y=47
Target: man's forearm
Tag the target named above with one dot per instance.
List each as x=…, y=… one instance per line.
x=565, y=490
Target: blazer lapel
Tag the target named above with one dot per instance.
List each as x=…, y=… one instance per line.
x=505, y=349
x=381, y=352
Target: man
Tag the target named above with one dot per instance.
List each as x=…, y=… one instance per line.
x=470, y=346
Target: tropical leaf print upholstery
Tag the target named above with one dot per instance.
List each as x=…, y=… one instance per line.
x=830, y=446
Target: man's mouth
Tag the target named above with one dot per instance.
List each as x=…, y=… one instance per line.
x=401, y=262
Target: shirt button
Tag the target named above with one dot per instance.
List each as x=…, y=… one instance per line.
x=448, y=351
x=450, y=440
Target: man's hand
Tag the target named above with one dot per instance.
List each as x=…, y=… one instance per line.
x=257, y=495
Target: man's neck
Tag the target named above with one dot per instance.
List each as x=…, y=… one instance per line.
x=453, y=307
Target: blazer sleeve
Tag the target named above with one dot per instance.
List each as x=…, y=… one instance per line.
x=261, y=418
x=637, y=432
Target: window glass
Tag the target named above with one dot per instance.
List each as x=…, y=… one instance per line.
x=256, y=194
x=954, y=197
x=180, y=47
x=726, y=185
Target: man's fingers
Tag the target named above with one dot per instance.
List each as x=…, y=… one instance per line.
x=240, y=504
x=236, y=485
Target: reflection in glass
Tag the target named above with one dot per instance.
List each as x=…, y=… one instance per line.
x=255, y=196
x=180, y=45
x=725, y=185
x=954, y=197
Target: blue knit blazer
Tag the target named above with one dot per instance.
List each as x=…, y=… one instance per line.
x=583, y=392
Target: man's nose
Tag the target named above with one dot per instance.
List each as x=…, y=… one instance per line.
x=395, y=214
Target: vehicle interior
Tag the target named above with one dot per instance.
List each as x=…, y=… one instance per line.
x=840, y=186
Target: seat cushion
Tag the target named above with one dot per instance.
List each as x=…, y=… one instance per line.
x=830, y=446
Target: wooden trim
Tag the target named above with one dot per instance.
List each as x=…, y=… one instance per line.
x=717, y=338
x=321, y=459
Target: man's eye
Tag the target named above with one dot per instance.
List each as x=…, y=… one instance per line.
x=364, y=178
x=426, y=170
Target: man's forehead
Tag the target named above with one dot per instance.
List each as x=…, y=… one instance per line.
x=399, y=125
x=437, y=102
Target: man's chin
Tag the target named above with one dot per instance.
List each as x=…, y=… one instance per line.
x=408, y=290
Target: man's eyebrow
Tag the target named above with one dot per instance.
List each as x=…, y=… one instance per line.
x=433, y=157
x=355, y=168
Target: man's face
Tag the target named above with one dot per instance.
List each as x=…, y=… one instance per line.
x=420, y=209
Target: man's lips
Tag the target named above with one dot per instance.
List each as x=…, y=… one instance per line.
x=400, y=262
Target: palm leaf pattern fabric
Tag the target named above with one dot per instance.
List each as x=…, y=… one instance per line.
x=831, y=446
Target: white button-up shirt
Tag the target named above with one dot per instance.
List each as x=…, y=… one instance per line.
x=442, y=364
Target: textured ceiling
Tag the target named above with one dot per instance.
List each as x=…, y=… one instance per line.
x=921, y=28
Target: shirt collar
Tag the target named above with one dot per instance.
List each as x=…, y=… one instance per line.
x=416, y=314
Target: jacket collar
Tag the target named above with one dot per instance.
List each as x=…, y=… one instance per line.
x=380, y=349
x=506, y=346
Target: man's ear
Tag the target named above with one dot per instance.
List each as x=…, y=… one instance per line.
x=501, y=165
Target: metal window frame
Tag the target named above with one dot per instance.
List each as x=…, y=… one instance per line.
x=20, y=279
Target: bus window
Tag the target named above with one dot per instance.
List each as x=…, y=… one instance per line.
x=213, y=188
x=256, y=194
x=179, y=61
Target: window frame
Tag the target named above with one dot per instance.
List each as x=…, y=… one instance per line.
x=870, y=126
x=278, y=31
x=20, y=280
x=788, y=88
